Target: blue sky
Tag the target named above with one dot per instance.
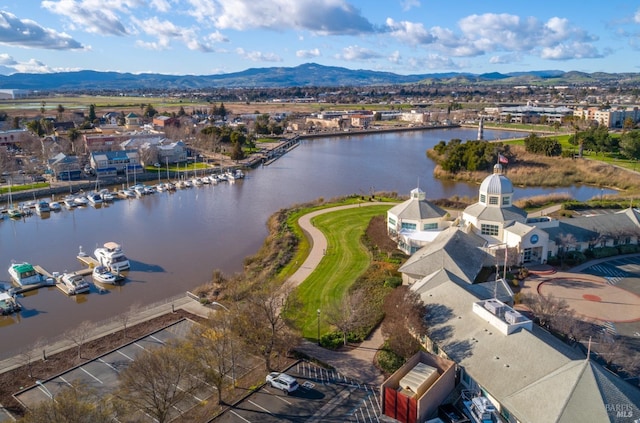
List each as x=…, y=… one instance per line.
x=204, y=37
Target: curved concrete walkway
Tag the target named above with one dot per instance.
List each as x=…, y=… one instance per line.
x=353, y=362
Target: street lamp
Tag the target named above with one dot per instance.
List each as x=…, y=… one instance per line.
x=318, y=312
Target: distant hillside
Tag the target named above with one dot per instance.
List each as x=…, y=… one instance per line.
x=310, y=74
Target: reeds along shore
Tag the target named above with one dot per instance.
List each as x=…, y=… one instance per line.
x=539, y=171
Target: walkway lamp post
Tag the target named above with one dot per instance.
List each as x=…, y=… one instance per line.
x=318, y=313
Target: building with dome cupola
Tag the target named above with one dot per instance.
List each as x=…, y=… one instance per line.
x=500, y=223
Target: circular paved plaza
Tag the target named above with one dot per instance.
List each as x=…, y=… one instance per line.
x=592, y=297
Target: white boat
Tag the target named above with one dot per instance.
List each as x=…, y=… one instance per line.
x=103, y=275
x=55, y=206
x=197, y=182
x=81, y=201
x=94, y=198
x=74, y=284
x=106, y=195
x=8, y=304
x=138, y=190
x=69, y=202
x=111, y=256
x=25, y=274
x=126, y=193
x=43, y=206
x=15, y=213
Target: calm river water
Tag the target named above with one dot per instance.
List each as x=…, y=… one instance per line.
x=175, y=240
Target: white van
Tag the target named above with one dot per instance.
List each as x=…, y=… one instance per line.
x=283, y=382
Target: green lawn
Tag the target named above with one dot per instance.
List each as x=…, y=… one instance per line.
x=346, y=259
x=26, y=187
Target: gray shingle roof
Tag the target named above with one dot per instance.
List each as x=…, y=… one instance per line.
x=452, y=249
x=496, y=214
x=414, y=209
x=586, y=229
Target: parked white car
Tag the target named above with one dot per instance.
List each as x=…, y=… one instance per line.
x=282, y=381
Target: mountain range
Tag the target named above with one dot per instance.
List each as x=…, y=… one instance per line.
x=306, y=75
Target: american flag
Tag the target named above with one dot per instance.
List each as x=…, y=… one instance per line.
x=502, y=159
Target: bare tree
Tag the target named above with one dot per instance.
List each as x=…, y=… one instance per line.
x=213, y=346
x=125, y=318
x=348, y=314
x=261, y=326
x=156, y=383
x=80, y=335
x=404, y=323
x=76, y=403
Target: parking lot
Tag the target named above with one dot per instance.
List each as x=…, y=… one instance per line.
x=323, y=396
x=101, y=374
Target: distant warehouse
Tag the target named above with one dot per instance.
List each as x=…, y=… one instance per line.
x=12, y=94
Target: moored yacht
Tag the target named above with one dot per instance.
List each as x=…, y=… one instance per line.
x=111, y=256
x=43, y=206
x=102, y=274
x=74, y=284
x=25, y=274
x=94, y=198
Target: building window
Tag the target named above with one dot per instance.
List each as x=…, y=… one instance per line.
x=506, y=201
x=483, y=198
x=410, y=226
x=392, y=222
x=493, y=200
x=492, y=230
x=429, y=226
x=627, y=240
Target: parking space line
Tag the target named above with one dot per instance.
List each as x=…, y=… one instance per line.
x=65, y=381
x=277, y=396
x=107, y=364
x=139, y=346
x=159, y=340
x=95, y=378
x=260, y=407
x=238, y=415
x=124, y=355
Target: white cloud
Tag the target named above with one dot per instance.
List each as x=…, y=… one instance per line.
x=569, y=51
x=504, y=59
x=94, y=16
x=161, y=5
x=395, y=57
x=334, y=17
x=504, y=32
x=409, y=4
x=258, y=56
x=351, y=53
x=636, y=17
x=307, y=54
x=432, y=62
x=29, y=34
x=6, y=60
x=409, y=32
x=165, y=32
x=9, y=65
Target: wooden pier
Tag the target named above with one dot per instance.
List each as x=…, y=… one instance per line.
x=280, y=150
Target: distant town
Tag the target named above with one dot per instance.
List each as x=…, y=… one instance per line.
x=500, y=314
